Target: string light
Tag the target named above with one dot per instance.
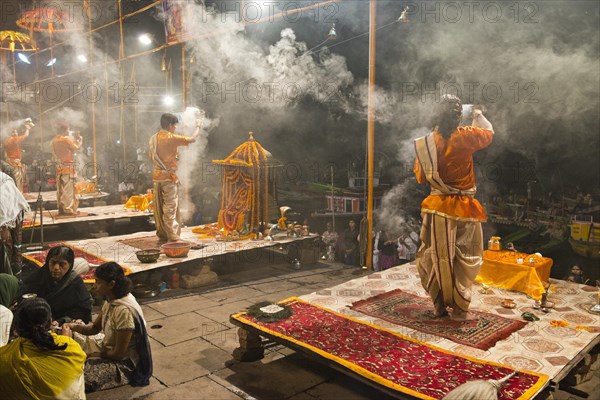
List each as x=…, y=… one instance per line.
x=145, y=39
x=23, y=58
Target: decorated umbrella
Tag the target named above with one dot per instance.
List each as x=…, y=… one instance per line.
x=11, y=41
x=46, y=19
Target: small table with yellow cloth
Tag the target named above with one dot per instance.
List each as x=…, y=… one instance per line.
x=502, y=270
x=141, y=202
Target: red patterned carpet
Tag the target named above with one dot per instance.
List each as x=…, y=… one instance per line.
x=39, y=258
x=387, y=358
x=416, y=312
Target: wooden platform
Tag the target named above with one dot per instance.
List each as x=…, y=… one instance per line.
x=552, y=346
x=113, y=249
x=88, y=214
x=49, y=198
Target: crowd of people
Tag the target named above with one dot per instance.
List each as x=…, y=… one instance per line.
x=50, y=346
x=389, y=249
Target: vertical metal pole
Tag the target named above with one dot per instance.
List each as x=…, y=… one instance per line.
x=51, y=50
x=332, y=201
x=86, y=4
x=14, y=68
x=183, y=80
x=371, y=133
x=121, y=57
x=106, y=95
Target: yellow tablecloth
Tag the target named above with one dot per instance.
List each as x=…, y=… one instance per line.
x=500, y=269
x=140, y=202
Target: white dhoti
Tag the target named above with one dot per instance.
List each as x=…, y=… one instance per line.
x=449, y=259
x=166, y=210
x=66, y=195
x=19, y=172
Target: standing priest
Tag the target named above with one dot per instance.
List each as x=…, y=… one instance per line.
x=451, y=249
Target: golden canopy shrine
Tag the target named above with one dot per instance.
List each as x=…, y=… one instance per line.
x=245, y=188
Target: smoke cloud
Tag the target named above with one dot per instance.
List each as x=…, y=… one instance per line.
x=533, y=64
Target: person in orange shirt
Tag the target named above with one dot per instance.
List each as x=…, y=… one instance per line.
x=12, y=149
x=163, y=152
x=451, y=249
x=64, y=150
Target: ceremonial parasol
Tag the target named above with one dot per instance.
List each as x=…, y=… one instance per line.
x=46, y=19
x=11, y=41
x=244, y=190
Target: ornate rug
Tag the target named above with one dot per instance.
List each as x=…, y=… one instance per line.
x=387, y=358
x=416, y=312
x=39, y=257
x=148, y=242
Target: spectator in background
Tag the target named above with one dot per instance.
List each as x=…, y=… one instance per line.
x=34, y=175
x=329, y=238
x=349, y=244
x=403, y=251
x=387, y=250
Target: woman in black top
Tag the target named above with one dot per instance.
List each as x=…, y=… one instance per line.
x=61, y=287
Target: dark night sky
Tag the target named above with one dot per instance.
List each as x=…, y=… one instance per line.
x=533, y=64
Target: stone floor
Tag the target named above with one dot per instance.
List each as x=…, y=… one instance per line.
x=192, y=341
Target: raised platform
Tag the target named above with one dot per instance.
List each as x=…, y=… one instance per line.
x=121, y=248
x=552, y=346
x=87, y=214
x=49, y=198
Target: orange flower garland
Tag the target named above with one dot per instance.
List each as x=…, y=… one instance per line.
x=242, y=187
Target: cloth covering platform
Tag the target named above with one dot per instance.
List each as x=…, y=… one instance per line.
x=550, y=347
x=50, y=197
x=389, y=359
x=86, y=214
x=527, y=273
x=122, y=249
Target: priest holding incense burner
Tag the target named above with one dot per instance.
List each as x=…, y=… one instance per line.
x=64, y=145
x=163, y=152
x=12, y=149
x=451, y=249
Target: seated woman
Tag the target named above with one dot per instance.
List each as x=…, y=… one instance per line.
x=125, y=356
x=329, y=238
x=387, y=250
x=61, y=287
x=8, y=290
x=349, y=245
x=40, y=364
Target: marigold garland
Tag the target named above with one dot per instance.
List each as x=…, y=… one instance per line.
x=256, y=312
x=242, y=197
x=557, y=323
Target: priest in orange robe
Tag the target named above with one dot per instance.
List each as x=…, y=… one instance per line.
x=12, y=149
x=451, y=249
x=64, y=147
x=163, y=152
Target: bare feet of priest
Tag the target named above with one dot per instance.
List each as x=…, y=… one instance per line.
x=459, y=315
